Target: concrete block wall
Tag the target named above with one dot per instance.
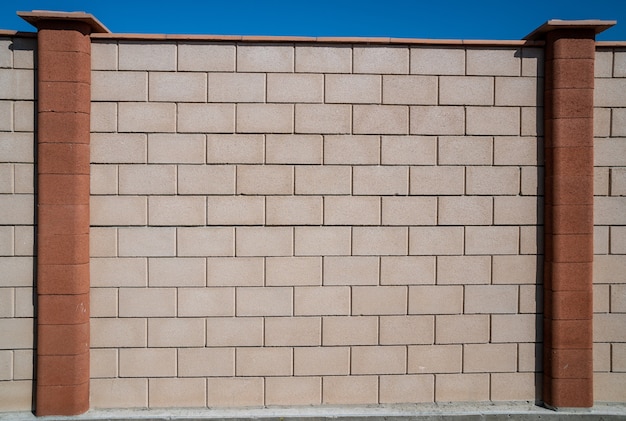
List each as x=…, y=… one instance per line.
x=17, y=210
x=610, y=225
x=297, y=224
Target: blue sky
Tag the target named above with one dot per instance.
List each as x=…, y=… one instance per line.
x=437, y=19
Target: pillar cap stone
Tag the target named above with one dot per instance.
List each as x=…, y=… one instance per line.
x=554, y=24
x=37, y=16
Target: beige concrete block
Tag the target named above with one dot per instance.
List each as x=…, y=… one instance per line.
x=206, y=118
x=235, y=392
x=147, y=179
x=17, y=209
x=176, y=272
x=516, y=269
x=293, y=331
x=618, y=240
x=295, y=88
x=103, y=116
x=321, y=361
x=264, y=301
x=609, y=269
x=171, y=332
x=236, y=210
x=380, y=180
x=324, y=59
x=519, y=91
x=119, y=393
x=618, y=298
x=532, y=181
x=291, y=271
x=404, y=211
x=410, y=90
x=405, y=270
x=350, y=390
x=609, y=387
x=514, y=328
x=264, y=241
x=146, y=117
x=265, y=179
x=114, y=148
x=485, y=299
x=429, y=241
x=7, y=181
x=533, y=61
x=462, y=387
x=494, y=61
x=206, y=179
x=437, y=180
x=113, y=333
x=435, y=359
x=147, y=56
x=618, y=181
x=7, y=301
x=532, y=121
x=24, y=116
x=353, y=89
x=103, y=179
x=147, y=241
x=437, y=61
x=378, y=360
x=601, y=298
x=235, y=149
x=6, y=55
x=235, y=271
x=176, y=149
x=472, y=150
x=166, y=393
x=350, y=270
x=206, y=57
x=118, y=210
x=491, y=240
x=529, y=357
x=265, y=58
x=618, y=357
x=381, y=119
x=264, y=118
x=17, y=84
x=435, y=120
x=176, y=210
x=293, y=210
x=317, y=179
x=103, y=302
x=339, y=330
x=493, y=120
x=103, y=55
x=405, y=389
x=609, y=152
x=619, y=64
x=107, y=272
x=517, y=210
x=263, y=362
x=25, y=179
x=435, y=299
x=6, y=241
x=609, y=327
x=234, y=331
x=401, y=330
x=147, y=362
x=322, y=301
x=6, y=116
x=103, y=363
x=16, y=395
x=379, y=300
x=515, y=386
x=17, y=271
x=322, y=241
x=206, y=302
x=408, y=150
x=390, y=60
x=465, y=210
x=609, y=211
x=24, y=302
x=351, y=210
x=493, y=180
x=466, y=90
x=517, y=151
x=206, y=362
x=293, y=149
x=616, y=124
x=461, y=329
x=602, y=121
x=530, y=298
x=355, y=150
x=119, y=86
x=24, y=53
x=236, y=87
x=17, y=147
x=607, y=92
x=323, y=118
x=293, y=391
x=379, y=241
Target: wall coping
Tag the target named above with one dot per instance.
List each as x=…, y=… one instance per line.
x=37, y=16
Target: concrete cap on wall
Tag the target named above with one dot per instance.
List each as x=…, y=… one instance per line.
x=37, y=16
x=553, y=24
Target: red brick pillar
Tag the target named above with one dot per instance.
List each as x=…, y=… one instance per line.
x=568, y=237
x=63, y=109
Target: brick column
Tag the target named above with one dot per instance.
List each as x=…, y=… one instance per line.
x=63, y=132
x=568, y=237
